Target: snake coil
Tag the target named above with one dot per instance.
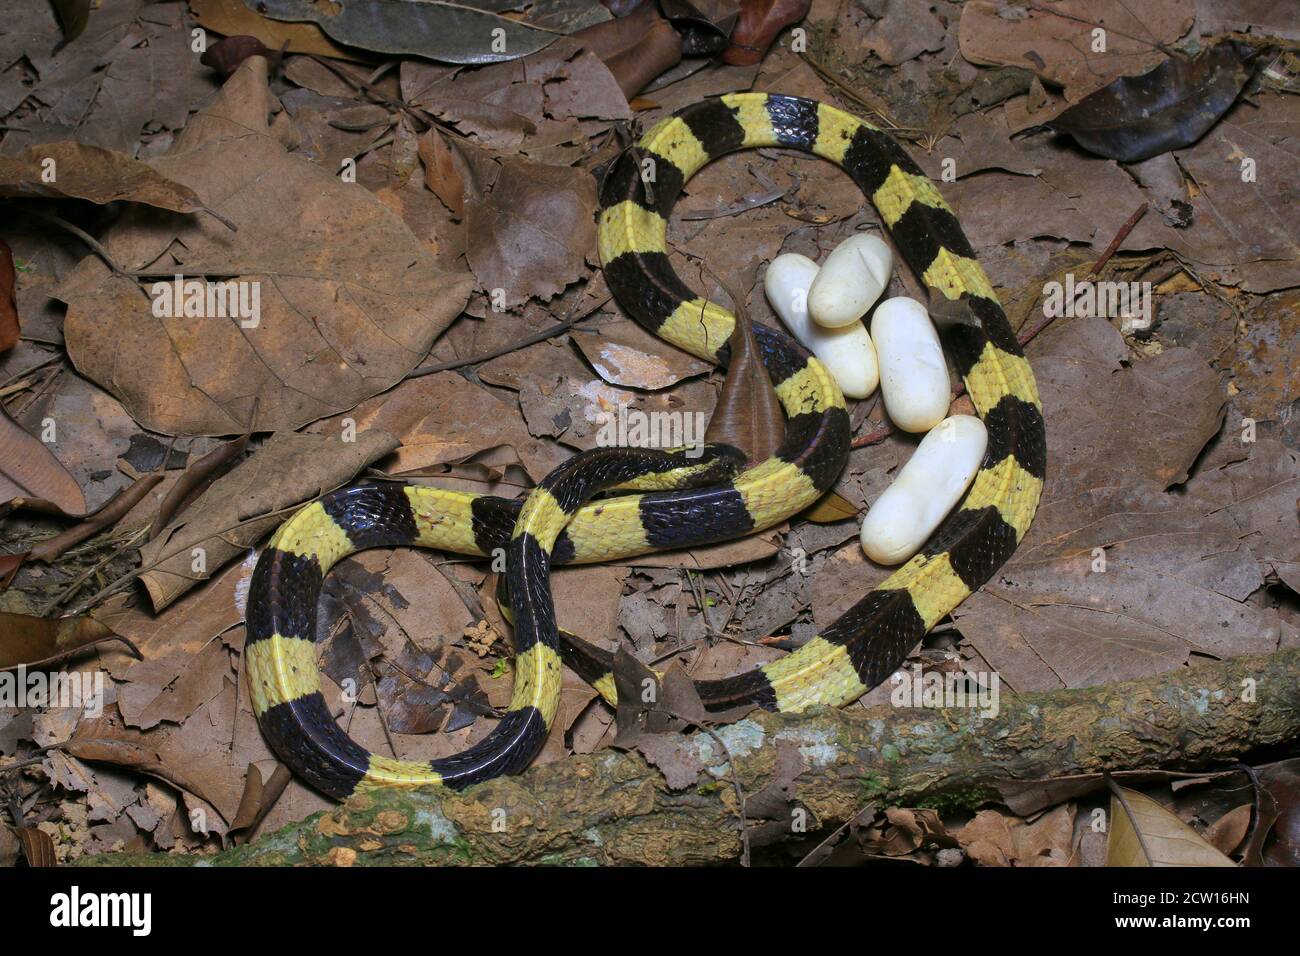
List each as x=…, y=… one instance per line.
x=853, y=654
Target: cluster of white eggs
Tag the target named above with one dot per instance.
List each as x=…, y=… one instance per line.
x=823, y=307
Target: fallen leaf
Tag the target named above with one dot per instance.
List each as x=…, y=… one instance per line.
x=907, y=29
x=38, y=847
x=226, y=56
x=830, y=509
x=242, y=506
x=623, y=353
x=748, y=415
x=450, y=32
x=101, y=176
x=349, y=299
x=73, y=17
x=234, y=18
x=637, y=47
x=28, y=469
x=1226, y=833
x=530, y=229
x=33, y=641
x=1172, y=106
x=1056, y=41
x=9, y=326
x=127, y=750
x=440, y=173
x=1143, y=833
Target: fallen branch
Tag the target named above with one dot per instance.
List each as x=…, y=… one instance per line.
x=614, y=808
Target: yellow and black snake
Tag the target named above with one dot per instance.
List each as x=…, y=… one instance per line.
x=849, y=657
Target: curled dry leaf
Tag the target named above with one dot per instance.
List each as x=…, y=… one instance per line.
x=636, y=48
x=109, y=514
x=1172, y=106
x=73, y=17
x=28, y=469
x=225, y=56
x=748, y=414
x=706, y=24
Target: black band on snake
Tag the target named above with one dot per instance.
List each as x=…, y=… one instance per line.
x=846, y=659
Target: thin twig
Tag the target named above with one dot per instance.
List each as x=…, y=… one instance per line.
x=1120, y=236
x=548, y=333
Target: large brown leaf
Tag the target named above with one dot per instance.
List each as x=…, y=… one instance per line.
x=233, y=18
x=472, y=32
x=31, y=641
x=748, y=415
x=350, y=299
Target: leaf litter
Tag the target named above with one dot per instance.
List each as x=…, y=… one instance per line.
x=475, y=179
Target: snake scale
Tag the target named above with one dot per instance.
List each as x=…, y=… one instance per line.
x=844, y=660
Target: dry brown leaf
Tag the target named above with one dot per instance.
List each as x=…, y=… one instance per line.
x=38, y=847
x=623, y=353
x=233, y=18
x=1056, y=41
x=31, y=641
x=28, y=469
x=349, y=298
x=128, y=750
x=242, y=506
x=440, y=173
x=831, y=508
x=80, y=171
x=172, y=687
x=748, y=415
x=1143, y=833
x=1226, y=833
x=530, y=228
x=9, y=326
